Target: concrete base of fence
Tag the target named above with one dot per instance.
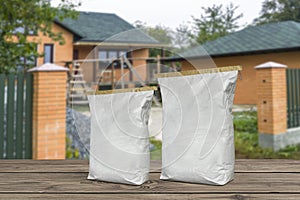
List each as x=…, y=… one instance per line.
x=279, y=141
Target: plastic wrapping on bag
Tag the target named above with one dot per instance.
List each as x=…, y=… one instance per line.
x=198, y=135
x=119, y=148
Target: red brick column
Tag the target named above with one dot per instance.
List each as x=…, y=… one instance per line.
x=49, y=112
x=271, y=102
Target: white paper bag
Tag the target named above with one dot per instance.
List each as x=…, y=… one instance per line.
x=198, y=135
x=119, y=150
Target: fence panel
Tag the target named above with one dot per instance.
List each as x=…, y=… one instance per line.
x=28, y=114
x=15, y=116
x=2, y=90
x=293, y=97
x=10, y=111
x=19, y=116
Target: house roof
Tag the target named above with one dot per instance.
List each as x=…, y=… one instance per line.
x=99, y=27
x=279, y=36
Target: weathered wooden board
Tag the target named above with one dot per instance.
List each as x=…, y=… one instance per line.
x=254, y=179
x=82, y=166
x=77, y=183
x=152, y=196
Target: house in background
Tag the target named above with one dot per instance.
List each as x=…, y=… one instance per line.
x=278, y=42
x=96, y=36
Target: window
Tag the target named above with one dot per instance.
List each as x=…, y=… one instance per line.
x=31, y=61
x=21, y=29
x=48, y=53
x=112, y=54
x=106, y=58
x=122, y=53
x=102, y=55
x=75, y=54
x=28, y=61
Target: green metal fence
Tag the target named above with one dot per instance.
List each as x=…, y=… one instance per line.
x=16, y=116
x=293, y=97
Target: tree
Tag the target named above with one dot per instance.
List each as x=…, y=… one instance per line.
x=215, y=22
x=18, y=20
x=183, y=37
x=162, y=34
x=279, y=10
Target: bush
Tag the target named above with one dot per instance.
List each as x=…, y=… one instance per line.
x=155, y=153
x=246, y=140
x=71, y=152
x=245, y=121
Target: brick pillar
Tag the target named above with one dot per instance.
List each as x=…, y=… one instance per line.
x=140, y=64
x=49, y=112
x=271, y=104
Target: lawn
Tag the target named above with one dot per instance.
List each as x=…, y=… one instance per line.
x=246, y=141
x=81, y=108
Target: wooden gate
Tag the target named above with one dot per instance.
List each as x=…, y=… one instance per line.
x=16, y=116
x=293, y=97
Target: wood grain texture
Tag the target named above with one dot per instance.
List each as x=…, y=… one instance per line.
x=77, y=183
x=254, y=179
x=152, y=196
x=199, y=71
x=249, y=166
x=115, y=91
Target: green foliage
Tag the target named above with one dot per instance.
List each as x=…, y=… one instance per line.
x=162, y=34
x=245, y=121
x=71, y=153
x=81, y=108
x=279, y=10
x=18, y=20
x=155, y=154
x=183, y=37
x=246, y=146
x=246, y=140
x=215, y=22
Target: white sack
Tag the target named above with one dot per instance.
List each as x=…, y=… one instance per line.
x=119, y=150
x=198, y=135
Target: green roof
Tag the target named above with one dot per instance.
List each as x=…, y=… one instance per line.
x=99, y=27
x=271, y=37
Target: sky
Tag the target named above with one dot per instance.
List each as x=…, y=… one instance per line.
x=169, y=13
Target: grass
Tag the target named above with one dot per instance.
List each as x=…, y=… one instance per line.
x=246, y=141
x=246, y=146
x=81, y=108
x=71, y=153
x=156, y=152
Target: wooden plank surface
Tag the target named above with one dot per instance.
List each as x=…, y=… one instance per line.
x=77, y=183
x=152, y=196
x=254, y=179
x=242, y=165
